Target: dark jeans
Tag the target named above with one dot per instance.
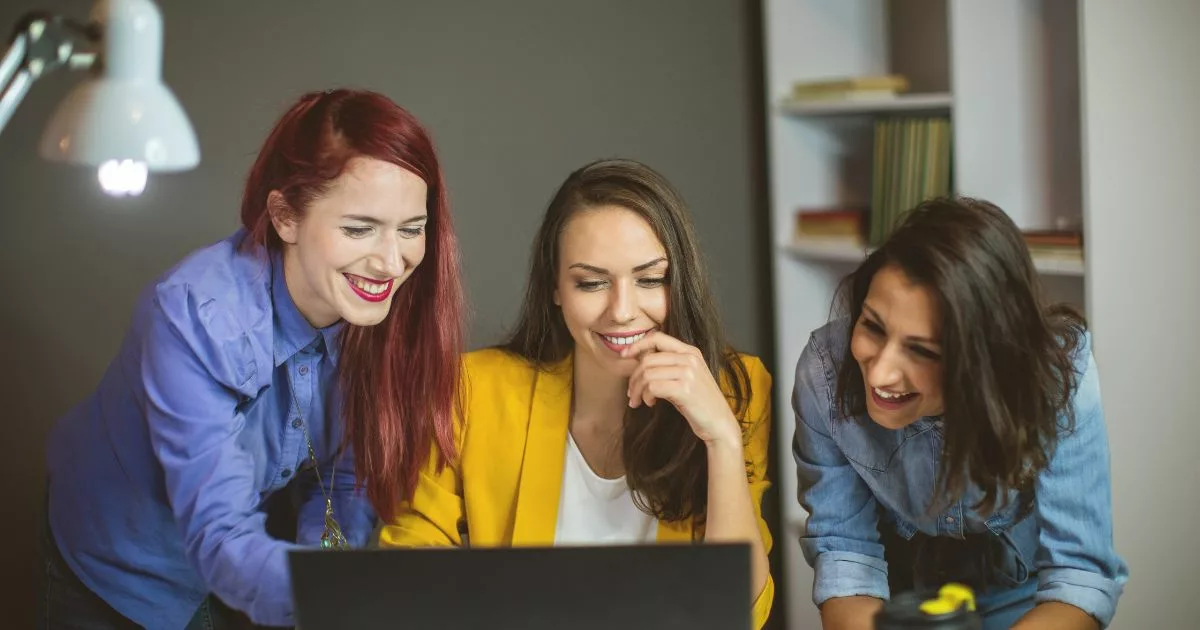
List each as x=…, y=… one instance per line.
x=67, y=603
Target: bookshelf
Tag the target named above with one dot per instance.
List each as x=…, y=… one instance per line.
x=834, y=252
x=903, y=103
x=1006, y=75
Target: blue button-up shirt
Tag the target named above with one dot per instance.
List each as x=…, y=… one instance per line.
x=849, y=468
x=158, y=480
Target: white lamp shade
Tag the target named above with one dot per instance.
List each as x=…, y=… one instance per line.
x=126, y=112
x=105, y=119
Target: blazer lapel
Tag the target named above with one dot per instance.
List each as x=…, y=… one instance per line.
x=545, y=453
x=680, y=532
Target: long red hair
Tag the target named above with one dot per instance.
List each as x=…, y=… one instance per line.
x=397, y=380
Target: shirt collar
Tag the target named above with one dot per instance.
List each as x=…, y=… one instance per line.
x=293, y=333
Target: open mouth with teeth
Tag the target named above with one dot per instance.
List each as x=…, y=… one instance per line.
x=369, y=289
x=618, y=341
x=891, y=400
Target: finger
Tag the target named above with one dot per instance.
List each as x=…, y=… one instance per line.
x=658, y=359
x=657, y=341
x=668, y=389
x=658, y=382
x=664, y=358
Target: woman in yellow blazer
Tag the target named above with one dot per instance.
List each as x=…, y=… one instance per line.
x=616, y=412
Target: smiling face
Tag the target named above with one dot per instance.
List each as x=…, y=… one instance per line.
x=612, y=284
x=347, y=253
x=896, y=344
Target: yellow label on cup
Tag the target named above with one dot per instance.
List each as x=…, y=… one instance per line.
x=951, y=597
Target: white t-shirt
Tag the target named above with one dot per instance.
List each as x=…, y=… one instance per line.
x=593, y=510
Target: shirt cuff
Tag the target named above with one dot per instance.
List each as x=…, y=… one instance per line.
x=1094, y=594
x=845, y=574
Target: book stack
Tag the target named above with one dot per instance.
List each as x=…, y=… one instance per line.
x=1066, y=245
x=850, y=88
x=842, y=226
x=911, y=163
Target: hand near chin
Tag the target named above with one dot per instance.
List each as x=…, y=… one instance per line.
x=671, y=370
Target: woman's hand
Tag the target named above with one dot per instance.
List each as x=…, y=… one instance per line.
x=671, y=370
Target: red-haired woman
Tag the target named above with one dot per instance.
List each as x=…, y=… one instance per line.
x=264, y=375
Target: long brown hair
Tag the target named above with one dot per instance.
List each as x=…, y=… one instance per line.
x=1007, y=354
x=398, y=379
x=665, y=463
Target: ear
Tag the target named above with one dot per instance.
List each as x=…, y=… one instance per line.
x=283, y=217
x=557, y=300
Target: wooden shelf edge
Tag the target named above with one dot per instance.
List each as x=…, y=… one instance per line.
x=937, y=101
x=837, y=252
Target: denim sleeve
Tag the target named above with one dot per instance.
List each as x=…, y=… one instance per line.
x=1076, y=561
x=840, y=540
x=350, y=505
x=191, y=379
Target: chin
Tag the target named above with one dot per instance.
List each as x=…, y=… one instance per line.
x=621, y=370
x=888, y=420
x=612, y=363
x=366, y=317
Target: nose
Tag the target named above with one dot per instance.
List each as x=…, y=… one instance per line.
x=389, y=258
x=621, y=308
x=883, y=370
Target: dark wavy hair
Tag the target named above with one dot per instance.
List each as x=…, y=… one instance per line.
x=665, y=463
x=1007, y=354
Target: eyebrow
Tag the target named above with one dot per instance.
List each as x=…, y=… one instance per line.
x=642, y=267
x=874, y=314
x=373, y=221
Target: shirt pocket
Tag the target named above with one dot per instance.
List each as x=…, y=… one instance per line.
x=875, y=448
x=1013, y=567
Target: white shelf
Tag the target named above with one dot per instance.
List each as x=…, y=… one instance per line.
x=1052, y=266
x=826, y=251
x=835, y=252
x=941, y=102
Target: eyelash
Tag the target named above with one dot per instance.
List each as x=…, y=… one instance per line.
x=925, y=354
x=596, y=285
x=920, y=351
x=361, y=232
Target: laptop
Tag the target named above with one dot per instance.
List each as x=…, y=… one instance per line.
x=636, y=587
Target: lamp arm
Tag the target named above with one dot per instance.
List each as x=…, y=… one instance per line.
x=40, y=44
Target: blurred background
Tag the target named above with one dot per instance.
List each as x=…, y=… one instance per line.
x=1076, y=116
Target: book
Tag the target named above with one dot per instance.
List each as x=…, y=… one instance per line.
x=911, y=162
x=830, y=224
x=870, y=87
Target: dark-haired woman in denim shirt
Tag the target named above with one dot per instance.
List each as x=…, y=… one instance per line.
x=949, y=427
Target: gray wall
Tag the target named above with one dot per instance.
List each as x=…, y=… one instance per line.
x=1140, y=88
x=516, y=93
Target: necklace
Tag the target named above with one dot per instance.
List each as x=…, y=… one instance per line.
x=331, y=536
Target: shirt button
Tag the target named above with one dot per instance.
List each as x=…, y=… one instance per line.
x=303, y=370
x=287, y=472
x=296, y=424
x=949, y=519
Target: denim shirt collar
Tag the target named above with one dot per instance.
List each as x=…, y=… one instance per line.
x=293, y=333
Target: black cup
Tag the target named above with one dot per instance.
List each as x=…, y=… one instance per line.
x=904, y=612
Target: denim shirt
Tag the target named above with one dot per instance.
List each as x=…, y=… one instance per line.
x=158, y=480
x=853, y=473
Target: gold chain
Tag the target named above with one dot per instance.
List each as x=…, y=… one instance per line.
x=331, y=536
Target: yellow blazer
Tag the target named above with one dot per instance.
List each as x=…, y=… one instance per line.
x=506, y=485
